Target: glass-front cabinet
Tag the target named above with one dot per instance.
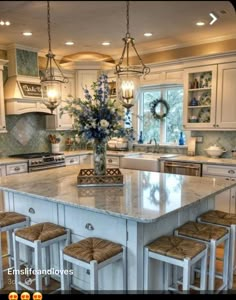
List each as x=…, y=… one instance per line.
x=200, y=97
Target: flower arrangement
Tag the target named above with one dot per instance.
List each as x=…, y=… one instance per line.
x=96, y=117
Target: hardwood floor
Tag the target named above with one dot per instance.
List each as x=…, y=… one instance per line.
x=9, y=279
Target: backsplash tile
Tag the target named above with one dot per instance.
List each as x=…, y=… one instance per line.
x=224, y=139
x=27, y=133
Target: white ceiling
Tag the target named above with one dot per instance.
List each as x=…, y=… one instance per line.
x=89, y=23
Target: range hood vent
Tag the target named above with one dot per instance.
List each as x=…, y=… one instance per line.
x=22, y=90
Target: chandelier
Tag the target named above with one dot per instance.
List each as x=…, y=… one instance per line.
x=51, y=82
x=128, y=76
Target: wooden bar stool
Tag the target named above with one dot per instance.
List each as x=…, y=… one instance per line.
x=212, y=236
x=176, y=252
x=92, y=254
x=37, y=237
x=227, y=220
x=9, y=221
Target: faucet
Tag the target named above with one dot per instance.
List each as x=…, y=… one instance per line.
x=156, y=147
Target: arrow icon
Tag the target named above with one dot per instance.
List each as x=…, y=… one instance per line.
x=214, y=18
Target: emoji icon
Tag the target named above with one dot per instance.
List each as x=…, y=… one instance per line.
x=13, y=296
x=37, y=296
x=25, y=296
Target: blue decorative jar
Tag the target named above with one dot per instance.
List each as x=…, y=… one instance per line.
x=181, y=139
x=140, y=140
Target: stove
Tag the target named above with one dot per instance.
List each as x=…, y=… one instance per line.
x=42, y=160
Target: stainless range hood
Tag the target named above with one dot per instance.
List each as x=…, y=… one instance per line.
x=22, y=91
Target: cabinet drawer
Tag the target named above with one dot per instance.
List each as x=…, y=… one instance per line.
x=37, y=210
x=17, y=168
x=87, y=224
x=85, y=159
x=215, y=170
x=72, y=160
x=113, y=161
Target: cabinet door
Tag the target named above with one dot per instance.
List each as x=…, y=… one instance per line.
x=226, y=91
x=200, y=97
x=85, y=78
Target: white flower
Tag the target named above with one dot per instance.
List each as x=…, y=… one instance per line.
x=104, y=123
x=93, y=124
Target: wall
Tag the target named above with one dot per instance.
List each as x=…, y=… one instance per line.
x=27, y=133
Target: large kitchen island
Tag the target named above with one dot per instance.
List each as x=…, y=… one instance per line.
x=148, y=205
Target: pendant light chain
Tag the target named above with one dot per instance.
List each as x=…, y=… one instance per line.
x=49, y=27
x=127, y=18
x=51, y=82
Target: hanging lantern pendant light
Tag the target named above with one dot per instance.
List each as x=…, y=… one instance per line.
x=51, y=85
x=125, y=72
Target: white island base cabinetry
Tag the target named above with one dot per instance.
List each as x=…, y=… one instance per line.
x=131, y=215
x=224, y=201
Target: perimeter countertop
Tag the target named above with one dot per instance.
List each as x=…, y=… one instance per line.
x=144, y=197
x=203, y=159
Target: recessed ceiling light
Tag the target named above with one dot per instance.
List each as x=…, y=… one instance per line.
x=148, y=34
x=69, y=43
x=27, y=33
x=106, y=43
x=200, y=23
x=7, y=23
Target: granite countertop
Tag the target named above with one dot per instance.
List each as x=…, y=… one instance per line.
x=164, y=156
x=144, y=197
x=109, y=152
x=203, y=159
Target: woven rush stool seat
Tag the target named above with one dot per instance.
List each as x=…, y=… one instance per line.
x=42, y=232
x=93, y=254
x=37, y=237
x=228, y=220
x=176, y=251
x=8, y=222
x=213, y=236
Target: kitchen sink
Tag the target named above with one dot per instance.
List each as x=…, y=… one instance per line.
x=143, y=161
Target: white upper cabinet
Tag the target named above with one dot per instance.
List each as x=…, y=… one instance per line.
x=211, y=105
x=200, y=97
x=64, y=121
x=85, y=78
x=2, y=102
x=226, y=96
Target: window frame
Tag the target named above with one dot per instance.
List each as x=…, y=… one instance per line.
x=163, y=90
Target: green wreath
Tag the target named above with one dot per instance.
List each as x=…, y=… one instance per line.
x=153, y=106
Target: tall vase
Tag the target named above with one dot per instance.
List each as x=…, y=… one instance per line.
x=99, y=157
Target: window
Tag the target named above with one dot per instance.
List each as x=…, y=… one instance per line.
x=166, y=130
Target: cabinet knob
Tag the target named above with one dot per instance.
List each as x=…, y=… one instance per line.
x=72, y=160
x=231, y=171
x=110, y=160
x=89, y=226
x=17, y=169
x=31, y=210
